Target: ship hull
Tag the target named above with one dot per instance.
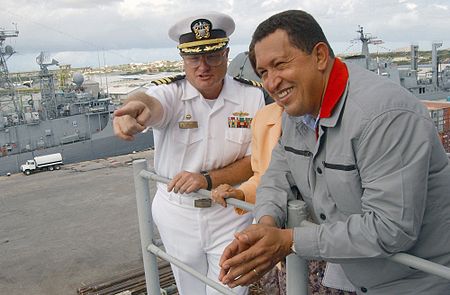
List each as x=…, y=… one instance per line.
x=102, y=145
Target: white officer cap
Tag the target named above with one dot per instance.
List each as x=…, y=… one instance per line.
x=203, y=33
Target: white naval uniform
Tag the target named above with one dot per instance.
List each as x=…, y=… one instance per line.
x=198, y=236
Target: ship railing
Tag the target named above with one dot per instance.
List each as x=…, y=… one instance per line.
x=296, y=267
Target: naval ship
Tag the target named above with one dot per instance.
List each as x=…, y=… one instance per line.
x=435, y=86
x=75, y=120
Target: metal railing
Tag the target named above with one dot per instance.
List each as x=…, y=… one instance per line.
x=296, y=267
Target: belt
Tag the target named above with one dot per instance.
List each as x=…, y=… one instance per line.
x=202, y=203
x=191, y=200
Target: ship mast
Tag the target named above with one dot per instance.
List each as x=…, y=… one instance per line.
x=366, y=39
x=5, y=53
x=47, y=86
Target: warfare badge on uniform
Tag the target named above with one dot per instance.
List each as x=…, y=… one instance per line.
x=239, y=120
x=187, y=123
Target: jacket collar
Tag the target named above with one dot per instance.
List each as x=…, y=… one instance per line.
x=335, y=93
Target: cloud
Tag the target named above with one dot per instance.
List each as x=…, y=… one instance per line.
x=136, y=9
x=120, y=25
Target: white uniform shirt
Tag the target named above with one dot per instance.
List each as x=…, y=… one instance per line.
x=214, y=144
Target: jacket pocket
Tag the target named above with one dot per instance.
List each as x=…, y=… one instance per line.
x=238, y=135
x=235, y=145
x=299, y=161
x=340, y=166
x=344, y=185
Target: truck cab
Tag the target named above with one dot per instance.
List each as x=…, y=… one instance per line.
x=29, y=166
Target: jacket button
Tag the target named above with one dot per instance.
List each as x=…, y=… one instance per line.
x=363, y=289
x=319, y=170
x=323, y=216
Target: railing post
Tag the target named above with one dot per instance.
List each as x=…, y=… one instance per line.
x=144, y=210
x=296, y=267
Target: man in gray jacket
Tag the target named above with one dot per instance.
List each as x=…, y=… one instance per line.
x=365, y=157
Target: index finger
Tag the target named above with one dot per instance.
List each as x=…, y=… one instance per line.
x=118, y=131
x=231, y=250
x=126, y=126
x=127, y=109
x=244, y=241
x=174, y=181
x=234, y=259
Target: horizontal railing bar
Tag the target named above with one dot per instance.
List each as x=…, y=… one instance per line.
x=411, y=261
x=205, y=193
x=160, y=253
x=422, y=264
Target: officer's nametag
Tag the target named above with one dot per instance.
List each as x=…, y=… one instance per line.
x=187, y=123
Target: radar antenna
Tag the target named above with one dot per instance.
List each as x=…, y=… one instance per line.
x=5, y=53
x=47, y=85
x=366, y=39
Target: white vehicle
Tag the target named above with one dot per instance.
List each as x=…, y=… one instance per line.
x=46, y=162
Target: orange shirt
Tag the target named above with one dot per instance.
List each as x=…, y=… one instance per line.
x=266, y=130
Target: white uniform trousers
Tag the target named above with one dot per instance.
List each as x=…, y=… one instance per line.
x=197, y=237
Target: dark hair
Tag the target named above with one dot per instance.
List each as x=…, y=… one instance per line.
x=303, y=30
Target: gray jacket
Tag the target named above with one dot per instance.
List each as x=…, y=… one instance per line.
x=377, y=181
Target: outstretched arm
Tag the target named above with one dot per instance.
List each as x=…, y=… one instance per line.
x=139, y=111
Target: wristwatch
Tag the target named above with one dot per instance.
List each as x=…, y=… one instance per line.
x=293, y=247
x=208, y=179
x=293, y=244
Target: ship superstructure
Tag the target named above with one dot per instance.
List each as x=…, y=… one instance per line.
x=74, y=119
x=6, y=85
x=59, y=117
x=435, y=86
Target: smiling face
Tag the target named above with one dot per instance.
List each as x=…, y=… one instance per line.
x=295, y=79
x=206, y=78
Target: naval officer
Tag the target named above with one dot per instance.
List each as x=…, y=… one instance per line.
x=201, y=126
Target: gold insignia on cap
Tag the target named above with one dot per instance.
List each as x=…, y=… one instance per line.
x=186, y=47
x=201, y=28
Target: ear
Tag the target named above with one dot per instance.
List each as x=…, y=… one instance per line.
x=227, y=52
x=321, y=52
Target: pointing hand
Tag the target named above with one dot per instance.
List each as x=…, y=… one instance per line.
x=131, y=119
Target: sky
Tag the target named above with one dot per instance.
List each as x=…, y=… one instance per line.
x=106, y=32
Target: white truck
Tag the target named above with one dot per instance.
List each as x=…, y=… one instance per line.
x=46, y=162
